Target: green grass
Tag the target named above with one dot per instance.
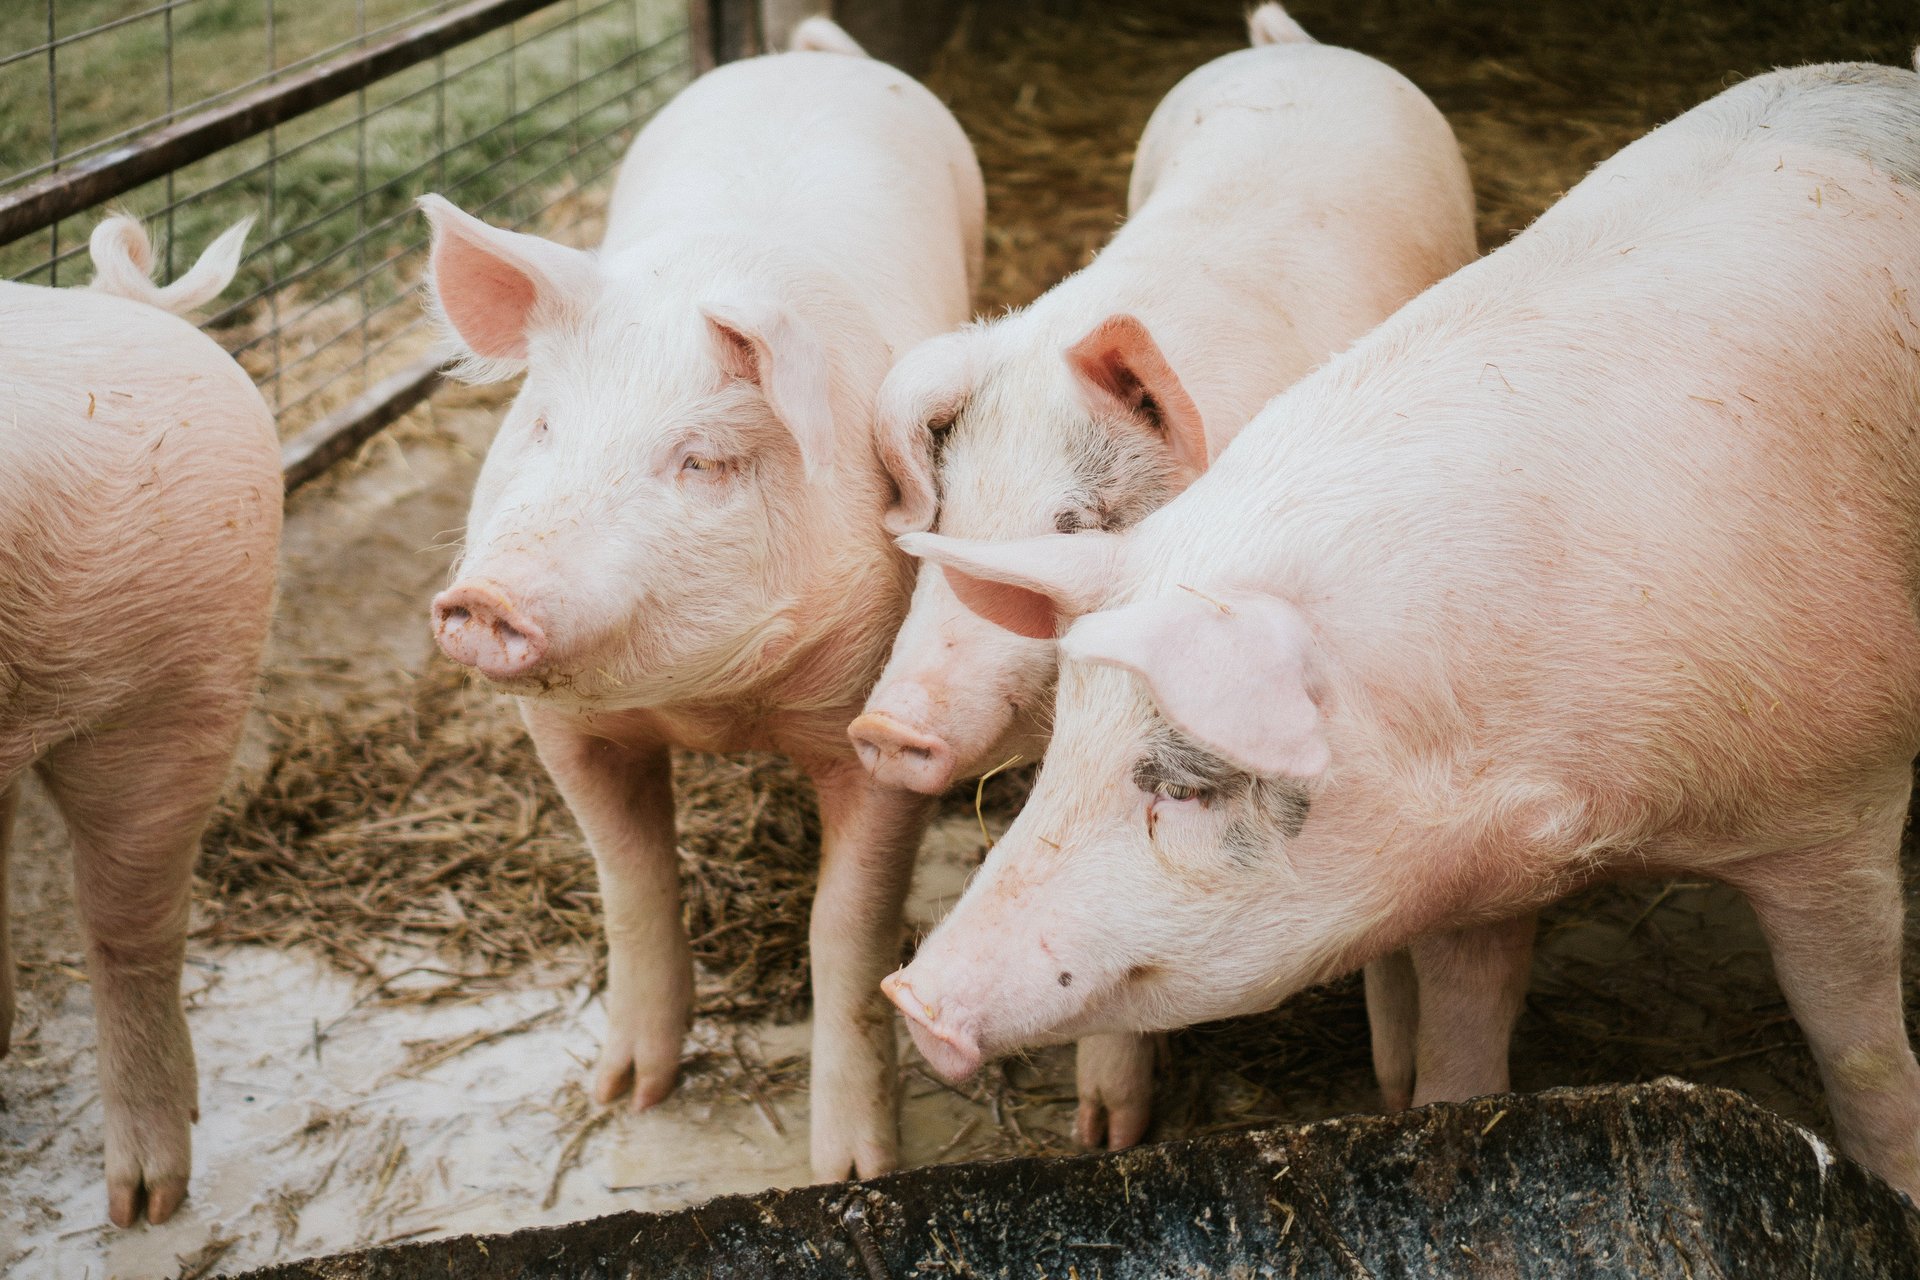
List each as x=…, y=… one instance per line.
x=504, y=126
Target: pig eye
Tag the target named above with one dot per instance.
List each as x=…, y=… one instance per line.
x=1074, y=519
x=539, y=427
x=1178, y=791
x=705, y=468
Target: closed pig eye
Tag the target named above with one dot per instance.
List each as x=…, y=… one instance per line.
x=703, y=458
x=1074, y=519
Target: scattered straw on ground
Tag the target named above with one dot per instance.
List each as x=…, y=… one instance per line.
x=433, y=822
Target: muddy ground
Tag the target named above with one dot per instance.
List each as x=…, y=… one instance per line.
x=413, y=1089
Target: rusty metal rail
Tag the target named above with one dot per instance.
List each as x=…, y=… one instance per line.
x=324, y=122
x=512, y=106
x=172, y=147
x=334, y=438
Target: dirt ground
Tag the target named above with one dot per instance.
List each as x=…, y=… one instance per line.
x=421, y=1081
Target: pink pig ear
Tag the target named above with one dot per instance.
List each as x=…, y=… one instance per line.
x=759, y=343
x=1120, y=369
x=1236, y=673
x=1032, y=586
x=494, y=285
x=920, y=398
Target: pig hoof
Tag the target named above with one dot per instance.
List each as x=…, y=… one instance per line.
x=165, y=1197
x=123, y=1203
x=1114, y=1074
x=156, y=1184
x=161, y=1199
x=650, y=1080
x=1115, y=1128
x=867, y=1159
x=149, y=1157
x=1392, y=1100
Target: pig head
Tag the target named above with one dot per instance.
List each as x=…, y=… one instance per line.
x=636, y=531
x=1158, y=875
x=1081, y=437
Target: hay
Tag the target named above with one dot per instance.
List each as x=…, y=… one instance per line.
x=1054, y=106
x=1537, y=91
x=433, y=824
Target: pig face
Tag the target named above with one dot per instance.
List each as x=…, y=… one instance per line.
x=636, y=527
x=1166, y=868
x=1037, y=441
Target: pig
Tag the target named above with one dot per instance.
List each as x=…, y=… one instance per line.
x=676, y=539
x=140, y=502
x=1599, y=558
x=1285, y=199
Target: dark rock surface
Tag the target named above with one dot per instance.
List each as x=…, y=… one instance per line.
x=1663, y=1179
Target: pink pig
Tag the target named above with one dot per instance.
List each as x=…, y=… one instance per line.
x=1600, y=558
x=676, y=538
x=1285, y=199
x=139, y=526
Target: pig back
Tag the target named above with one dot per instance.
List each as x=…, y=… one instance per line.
x=1628, y=512
x=140, y=500
x=1329, y=137
x=843, y=161
x=1328, y=184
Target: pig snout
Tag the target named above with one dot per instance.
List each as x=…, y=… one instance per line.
x=479, y=625
x=899, y=755
x=945, y=1039
x=990, y=980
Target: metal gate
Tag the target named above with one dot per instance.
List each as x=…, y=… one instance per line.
x=322, y=119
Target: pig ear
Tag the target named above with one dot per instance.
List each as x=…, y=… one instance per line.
x=920, y=398
x=492, y=285
x=1032, y=586
x=1120, y=369
x=759, y=343
x=1236, y=673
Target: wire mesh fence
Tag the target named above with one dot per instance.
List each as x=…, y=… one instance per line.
x=323, y=120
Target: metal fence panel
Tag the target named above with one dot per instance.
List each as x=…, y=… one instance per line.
x=323, y=120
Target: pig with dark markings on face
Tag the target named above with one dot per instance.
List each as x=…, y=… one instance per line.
x=676, y=538
x=1596, y=559
x=1285, y=199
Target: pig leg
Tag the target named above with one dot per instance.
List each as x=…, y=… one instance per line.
x=135, y=800
x=1832, y=919
x=1472, y=983
x=621, y=794
x=1393, y=1016
x=9, y=801
x=1114, y=1074
x=869, y=835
